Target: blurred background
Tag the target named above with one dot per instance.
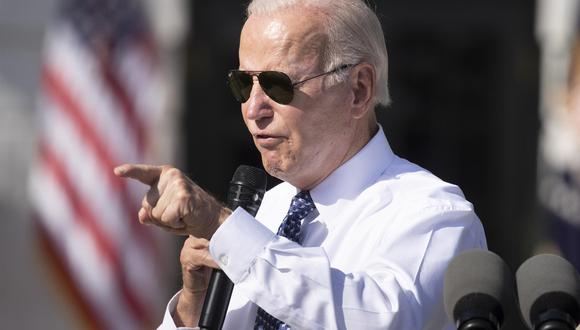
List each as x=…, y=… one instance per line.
x=484, y=96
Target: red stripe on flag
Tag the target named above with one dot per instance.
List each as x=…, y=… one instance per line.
x=63, y=271
x=127, y=107
x=54, y=87
x=87, y=219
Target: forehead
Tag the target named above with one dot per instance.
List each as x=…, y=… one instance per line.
x=288, y=39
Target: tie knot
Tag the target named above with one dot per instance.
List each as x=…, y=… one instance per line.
x=301, y=205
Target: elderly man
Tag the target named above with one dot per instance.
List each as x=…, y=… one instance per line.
x=368, y=235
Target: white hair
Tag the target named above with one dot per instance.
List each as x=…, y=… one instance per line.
x=354, y=33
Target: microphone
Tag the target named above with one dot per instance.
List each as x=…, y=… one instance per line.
x=246, y=190
x=549, y=293
x=478, y=290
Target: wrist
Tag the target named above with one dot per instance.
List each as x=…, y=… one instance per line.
x=224, y=214
x=221, y=215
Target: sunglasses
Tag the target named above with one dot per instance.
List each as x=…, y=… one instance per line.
x=277, y=85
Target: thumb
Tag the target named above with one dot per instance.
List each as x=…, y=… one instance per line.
x=147, y=174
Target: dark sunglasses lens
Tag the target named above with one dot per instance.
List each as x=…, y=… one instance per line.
x=240, y=84
x=277, y=86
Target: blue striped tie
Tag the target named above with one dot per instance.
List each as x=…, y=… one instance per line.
x=300, y=207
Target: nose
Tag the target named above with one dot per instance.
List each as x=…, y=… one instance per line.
x=258, y=105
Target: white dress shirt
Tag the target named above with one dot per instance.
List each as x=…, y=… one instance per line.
x=372, y=256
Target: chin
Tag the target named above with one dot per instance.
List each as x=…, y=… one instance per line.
x=276, y=168
x=282, y=165
x=273, y=169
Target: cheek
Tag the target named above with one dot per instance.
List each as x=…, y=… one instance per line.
x=328, y=126
x=321, y=141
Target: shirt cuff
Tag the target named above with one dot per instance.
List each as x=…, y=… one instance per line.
x=237, y=242
x=168, y=323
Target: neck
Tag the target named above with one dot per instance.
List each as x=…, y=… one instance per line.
x=362, y=135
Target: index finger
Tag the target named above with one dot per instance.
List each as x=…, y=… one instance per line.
x=147, y=174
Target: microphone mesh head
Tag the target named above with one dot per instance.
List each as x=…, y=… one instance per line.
x=547, y=282
x=250, y=176
x=478, y=283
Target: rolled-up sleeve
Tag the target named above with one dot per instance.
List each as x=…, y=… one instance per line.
x=400, y=286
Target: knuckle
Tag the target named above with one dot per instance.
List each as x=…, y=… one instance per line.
x=145, y=203
x=181, y=184
x=191, y=268
x=171, y=172
x=182, y=196
x=195, y=240
x=183, y=257
x=156, y=213
x=143, y=217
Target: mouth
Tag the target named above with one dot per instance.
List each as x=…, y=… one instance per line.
x=264, y=136
x=267, y=140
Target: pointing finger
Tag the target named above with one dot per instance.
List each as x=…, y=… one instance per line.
x=147, y=174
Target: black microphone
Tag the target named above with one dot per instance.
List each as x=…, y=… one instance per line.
x=549, y=292
x=478, y=291
x=246, y=190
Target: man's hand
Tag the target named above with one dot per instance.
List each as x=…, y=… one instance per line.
x=174, y=202
x=196, y=264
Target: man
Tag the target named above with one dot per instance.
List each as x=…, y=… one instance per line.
x=368, y=235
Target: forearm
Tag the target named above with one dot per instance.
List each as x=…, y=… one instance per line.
x=188, y=309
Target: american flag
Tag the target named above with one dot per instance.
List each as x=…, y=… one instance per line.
x=100, y=83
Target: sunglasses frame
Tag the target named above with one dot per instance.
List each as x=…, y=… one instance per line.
x=287, y=86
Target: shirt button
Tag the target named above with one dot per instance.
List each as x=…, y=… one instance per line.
x=224, y=260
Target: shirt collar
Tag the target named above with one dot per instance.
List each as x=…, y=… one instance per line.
x=357, y=173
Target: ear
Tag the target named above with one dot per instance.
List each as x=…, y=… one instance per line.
x=362, y=78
